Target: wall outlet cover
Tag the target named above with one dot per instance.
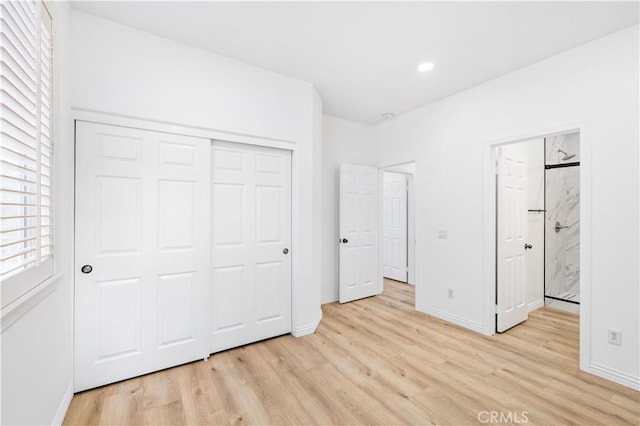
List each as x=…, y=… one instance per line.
x=615, y=337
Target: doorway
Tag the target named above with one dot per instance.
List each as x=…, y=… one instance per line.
x=537, y=206
x=361, y=229
x=397, y=222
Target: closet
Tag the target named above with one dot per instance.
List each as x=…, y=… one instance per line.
x=181, y=249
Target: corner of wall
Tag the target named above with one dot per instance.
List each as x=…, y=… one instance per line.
x=329, y=298
x=454, y=319
x=614, y=375
x=536, y=305
x=308, y=328
x=64, y=405
x=317, y=123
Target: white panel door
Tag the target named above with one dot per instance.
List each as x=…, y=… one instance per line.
x=512, y=222
x=394, y=226
x=251, y=237
x=142, y=227
x=358, y=232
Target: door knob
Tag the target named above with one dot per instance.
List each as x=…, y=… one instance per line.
x=344, y=241
x=528, y=246
x=86, y=269
x=285, y=250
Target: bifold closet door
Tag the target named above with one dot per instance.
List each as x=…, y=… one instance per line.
x=142, y=252
x=251, y=237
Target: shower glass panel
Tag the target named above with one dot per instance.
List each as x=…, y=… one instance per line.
x=562, y=218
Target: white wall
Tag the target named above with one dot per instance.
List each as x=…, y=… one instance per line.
x=595, y=84
x=343, y=142
x=37, y=345
x=122, y=71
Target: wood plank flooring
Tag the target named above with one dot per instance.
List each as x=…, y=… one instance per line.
x=377, y=361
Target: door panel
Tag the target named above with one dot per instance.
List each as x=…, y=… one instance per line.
x=358, y=232
x=512, y=215
x=176, y=210
x=142, y=222
x=177, y=299
x=268, y=291
x=395, y=226
x=228, y=297
x=118, y=225
x=118, y=335
x=251, y=286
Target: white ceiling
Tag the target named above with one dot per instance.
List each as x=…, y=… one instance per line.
x=362, y=56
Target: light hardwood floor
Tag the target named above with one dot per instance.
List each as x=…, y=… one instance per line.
x=377, y=361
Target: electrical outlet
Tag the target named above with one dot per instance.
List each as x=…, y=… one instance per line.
x=615, y=337
x=450, y=293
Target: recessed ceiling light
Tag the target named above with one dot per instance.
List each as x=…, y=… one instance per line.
x=388, y=115
x=425, y=66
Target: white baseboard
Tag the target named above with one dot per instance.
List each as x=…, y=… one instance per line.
x=614, y=375
x=64, y=405
x=329, y=299
x=562, y=305
x=309, y=328
x=536, y=305
x=452, y=318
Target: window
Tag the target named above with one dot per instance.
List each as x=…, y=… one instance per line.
x=26, y=220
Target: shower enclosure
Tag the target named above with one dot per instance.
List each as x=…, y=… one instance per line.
x=562, y=220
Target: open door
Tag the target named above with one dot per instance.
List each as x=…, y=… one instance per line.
x=394, y=227
x=512, y=219
x=358, y=232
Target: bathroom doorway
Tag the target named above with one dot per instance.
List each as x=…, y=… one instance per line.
x=537, y=185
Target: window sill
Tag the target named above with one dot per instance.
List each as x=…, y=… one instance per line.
x=16, y=309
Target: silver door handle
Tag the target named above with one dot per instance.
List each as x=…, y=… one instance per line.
x=558, y=226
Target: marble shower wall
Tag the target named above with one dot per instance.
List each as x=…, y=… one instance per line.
x=569, y=143
x=562, y=202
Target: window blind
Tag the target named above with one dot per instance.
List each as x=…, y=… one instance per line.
x=26, y=148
